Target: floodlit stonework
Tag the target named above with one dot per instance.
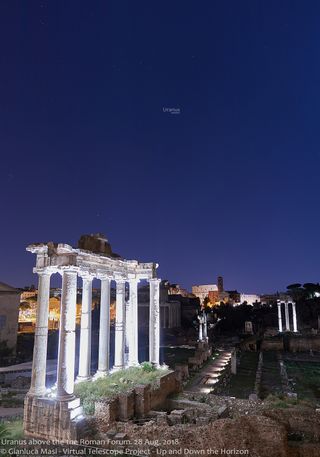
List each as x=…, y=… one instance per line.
x=287, y=316
x=203, y=327
x=59, y=409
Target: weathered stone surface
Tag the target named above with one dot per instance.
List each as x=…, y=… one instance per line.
x=168, y=385
x=194, y=363
x=182, y=371
x=304, y=343
x=202, y=420
x=97, y=243
x=305, y=450
x=304, y=422
x=142, y=400
x=126, y=406
x=187, y=404
x=261, y=436
x=223, y=412
x=106, y=412
x=177, y=416
x=52, y=420
x=120, y=437
x=200, y=345
x=161, y=417
x=272, y=344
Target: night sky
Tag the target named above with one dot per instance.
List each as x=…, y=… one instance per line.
x=229, y=186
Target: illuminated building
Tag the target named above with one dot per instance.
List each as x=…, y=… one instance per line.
x=250, y=299
x=203, y=291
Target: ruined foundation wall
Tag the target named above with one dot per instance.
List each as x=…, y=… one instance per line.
x=272, y=345
x=50, y=419
x=137, y=403
x=295, y=343
x=307, y=343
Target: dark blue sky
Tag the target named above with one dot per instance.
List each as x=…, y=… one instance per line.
x=230, y=186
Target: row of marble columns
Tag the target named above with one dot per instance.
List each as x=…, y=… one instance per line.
x=66, y=351
x=203, y=327
x=287, y=317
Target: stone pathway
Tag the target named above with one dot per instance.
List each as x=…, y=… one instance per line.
x=203, y=382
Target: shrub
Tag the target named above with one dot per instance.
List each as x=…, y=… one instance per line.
x=148, y=367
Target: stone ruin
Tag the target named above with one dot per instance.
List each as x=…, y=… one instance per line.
x=57, y=414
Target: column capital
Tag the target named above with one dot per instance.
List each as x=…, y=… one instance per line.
x=100, y=274
x=155, y=280
x=47, y=271
x=121, y=280
x=133, y=280
x=86, y=275
x=68, y=269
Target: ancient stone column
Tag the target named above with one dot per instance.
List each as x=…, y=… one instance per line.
x=294, y=314
x=39, y=364
x=85, y=329
x=120, y=325
x=205, y=327
x=66, y=356
x=127, y=331
x=279, y=316
x=200, y=318
x=154, y=322
x=132, y=328
x=286, y=309
x=104, y=328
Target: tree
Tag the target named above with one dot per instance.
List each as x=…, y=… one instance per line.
x=310, y=288
x=296, y=292
x=294, y=286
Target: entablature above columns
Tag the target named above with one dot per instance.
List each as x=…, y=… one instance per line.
x=57, y=258
x=284, y=302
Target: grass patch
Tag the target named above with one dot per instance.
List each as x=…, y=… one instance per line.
x=116, y=383
x=275, y=401
x=305, y=376
x=11, y=430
